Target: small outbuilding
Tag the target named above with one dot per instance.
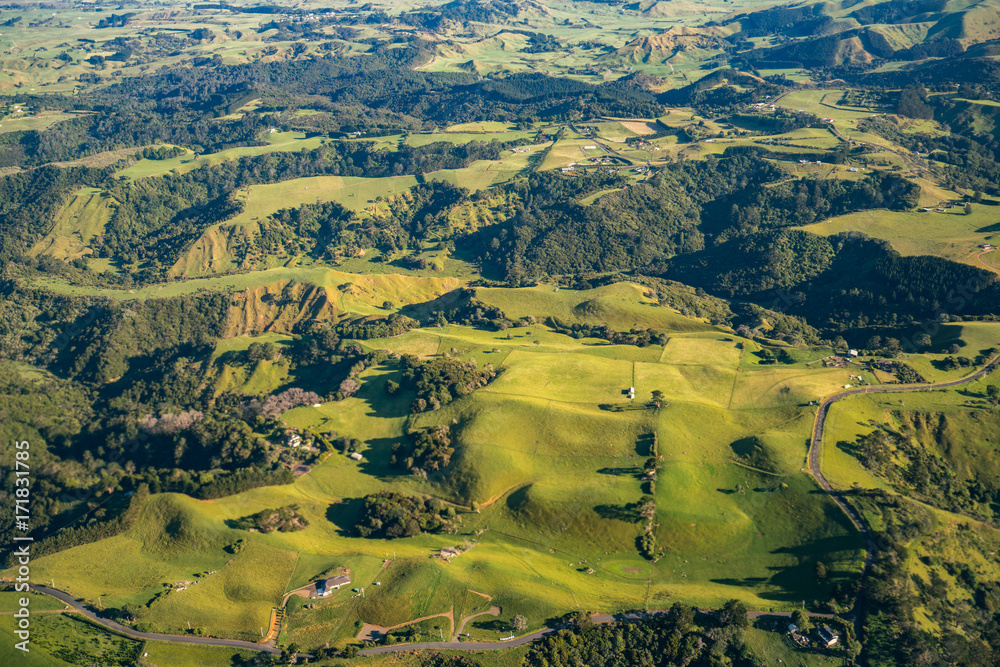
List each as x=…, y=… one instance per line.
x=356, y=456
x=827, y=636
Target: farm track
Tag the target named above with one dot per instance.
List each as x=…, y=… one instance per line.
x=815, y=470
x=537, y=634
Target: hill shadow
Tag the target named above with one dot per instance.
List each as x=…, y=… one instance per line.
x=447, y=301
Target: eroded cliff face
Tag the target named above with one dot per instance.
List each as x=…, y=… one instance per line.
x=279, y=307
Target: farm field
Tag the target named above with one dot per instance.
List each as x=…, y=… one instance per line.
x=949, y=233
x=275, y=142
x=536, y=538
x=269, y=319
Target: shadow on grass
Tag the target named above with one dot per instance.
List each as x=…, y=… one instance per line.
x=376, y=462
x=621, y=472
x=518, y=499
x=447, y=301
x=627, y=513
x=493, y=625
x=344, y=515
x=381, y=403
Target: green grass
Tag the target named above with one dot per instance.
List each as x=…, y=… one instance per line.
x=275, y=142
x=365, y=296
x=80, y=220
x=26, y=122
x=950, y=234
x=68, y=639
x=35, y=657
x=236, y=600
x=555, y=473
x=620, y=306
x=824, y=103
x=163, y=654
x=771, y=647
x=453, y=136
x=10, y=601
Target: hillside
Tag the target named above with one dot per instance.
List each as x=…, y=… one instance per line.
x=501, y=333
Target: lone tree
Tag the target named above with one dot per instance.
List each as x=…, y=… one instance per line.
x=734, y=615
x=657, y=398
x=800, y=619
x=519, y=623
x=993, y=391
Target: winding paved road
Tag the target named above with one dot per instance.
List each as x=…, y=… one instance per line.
x=79, y=606
x=816, y=470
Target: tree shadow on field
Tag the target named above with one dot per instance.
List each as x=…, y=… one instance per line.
x=376, y=462
x=494, y=625
x=748, y=582
x=344, y=515
x=518, y=499
x=621, y=472
x=627, y=513
x=379, y=401
x=850, y=448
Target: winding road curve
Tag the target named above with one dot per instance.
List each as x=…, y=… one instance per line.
x=80, y=607
x=815, y=470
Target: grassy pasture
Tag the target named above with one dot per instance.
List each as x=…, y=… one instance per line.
x=773, y=648
x=276, y=142
x=487, y=126
x=80, y=220
x=823, y=103
x=163, y=654
x=25, y=122
x=36, y=657
x=555, y=473
x=451, y=135
x=365, y=295
x=236, y=600
x=621, y=306
x=68, y=639
x=10, y=602
x=950, y=234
